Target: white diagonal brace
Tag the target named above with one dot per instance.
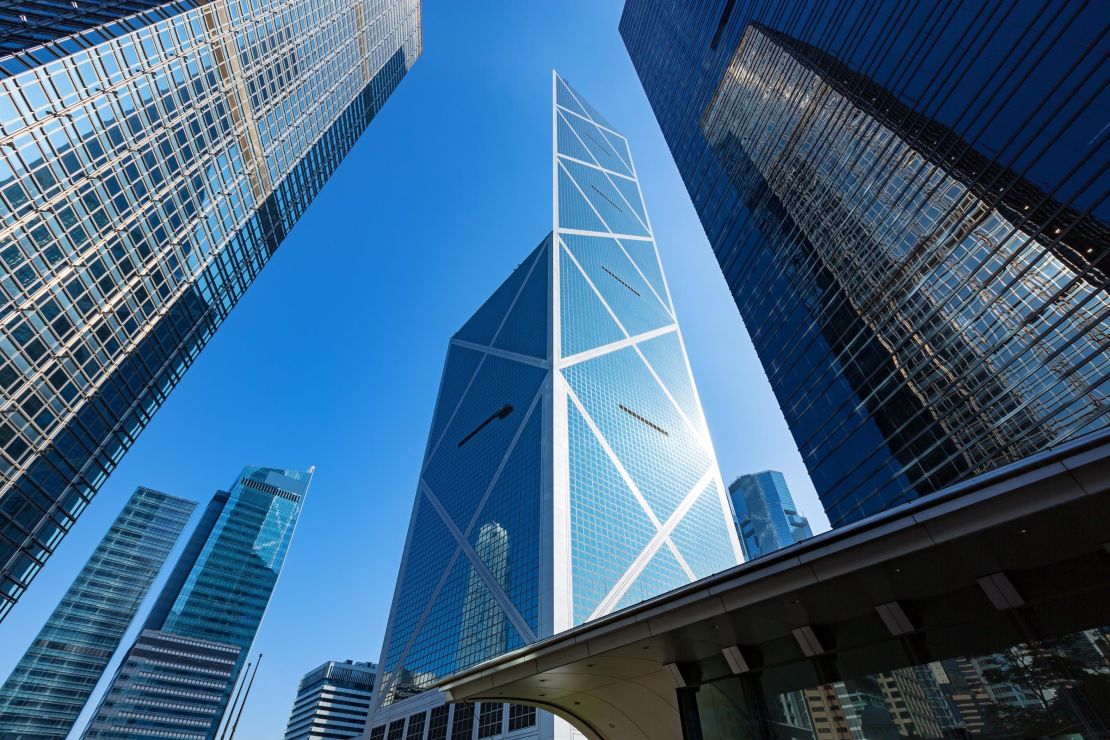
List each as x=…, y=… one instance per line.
x=625, y=582
x=481, y=568
x=619, y=344
x=647, y=282
x=502, y=353
x=424, y=490
x=447, y=424
x=613, y=457
x=607, y=234
x=593, y=287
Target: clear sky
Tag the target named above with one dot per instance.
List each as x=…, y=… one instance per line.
x=333, y=357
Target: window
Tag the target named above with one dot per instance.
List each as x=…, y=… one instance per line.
x=416, y=726
x=437, y=724
x=489, y=719
x=378, y=733
x=462, y=727
x=396, y=729
x=521, y=717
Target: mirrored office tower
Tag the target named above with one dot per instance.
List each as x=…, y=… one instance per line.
x=909, y=204
x=569, y=471
x=767, y=519
x=149, y=167
x=177, y=677
x=48, y=688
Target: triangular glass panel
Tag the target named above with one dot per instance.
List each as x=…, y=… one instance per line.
x=608, y=527
x=644, y=255
x=432, y=546
x=506, y=534
x=565, y=98
x=620, y=146
x=569, y=143
x=584, y=322
x=483, y=325
x=465, y=626
x=701, y=536
x=525, y=328
x=590, y=110
x=665, y=355
x=663, y=573
x=598, y=144
x=605, y=198
x=574, y=211
x=457, y=372
x=460, y=470
x=660, y=452
x=631, y=195
x=626, y=293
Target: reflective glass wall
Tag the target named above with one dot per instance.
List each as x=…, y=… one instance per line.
x=148, y=169
x=909, y=204
x=48, y=688
x=198, y=635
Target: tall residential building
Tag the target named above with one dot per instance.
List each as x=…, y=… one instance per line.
x=765, y=514
x=569, y=470
x=150, y=164
x=908, y=203
x=50, y=685
x=333, y=701
x=176, y=679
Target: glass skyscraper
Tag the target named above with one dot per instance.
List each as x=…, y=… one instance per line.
x=333, y=701
x=569, y=471
x=50, y=685
x=909, y=204
x=767, y=518
x=150, y=164
x=176, y=679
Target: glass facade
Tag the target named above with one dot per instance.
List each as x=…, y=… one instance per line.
x=333, y=701
x=50, y=685
x=178, y=676
x=569, y=470
x=148, y=170
x=908, y=202
x=1055, y=687
x=765, y=513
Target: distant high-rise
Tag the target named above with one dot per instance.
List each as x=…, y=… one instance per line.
x=333, y=701
x=150, y=164
x=198, y=634
x=569, y=470
x=50, y=685
x=909, y=204
x=766, y=517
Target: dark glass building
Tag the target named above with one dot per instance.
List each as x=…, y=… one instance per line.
x=50, y=685
x=151, y=162
x=909, y=204
x=176, y=679
x=766, y=516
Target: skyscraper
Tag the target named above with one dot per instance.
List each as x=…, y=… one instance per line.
x=766, y=517
x=50, y=685
x=150, y=164
x=333, y=701
x=176, y=679
x=569, y=470
x=908, y=202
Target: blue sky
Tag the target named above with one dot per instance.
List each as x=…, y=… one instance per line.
x=333, y=357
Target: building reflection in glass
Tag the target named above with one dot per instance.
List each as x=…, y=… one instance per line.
x=953, y=317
